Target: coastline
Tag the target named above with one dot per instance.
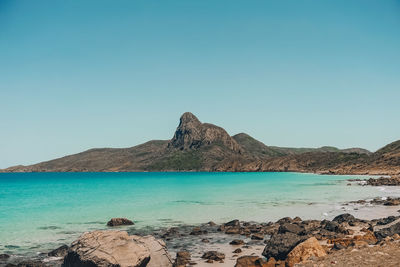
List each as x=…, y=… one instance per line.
x=220, y=240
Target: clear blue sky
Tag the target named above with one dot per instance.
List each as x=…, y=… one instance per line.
x=81, y=74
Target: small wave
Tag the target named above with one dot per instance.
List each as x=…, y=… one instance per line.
x=66, y=232
x=95, y=222
x=11, y=246
x=165, y=220
x=197, y=202
x=51, y=227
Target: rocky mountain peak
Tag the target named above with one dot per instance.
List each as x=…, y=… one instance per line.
x=192, y=134
x=189, y=118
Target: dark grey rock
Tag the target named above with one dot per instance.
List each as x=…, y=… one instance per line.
x=389, y=231
x=346, y=217
x=119, y=222
x=4, y=257
x=289, y=227
x=233, y=223
x=59, y=252
x=280, y=245
x=213, y=255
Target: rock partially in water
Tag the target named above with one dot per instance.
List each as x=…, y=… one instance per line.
x=386, y=181
x=28, y=263
x=238, y=250
x=237, y=242
x=171, y=233
x=59, y=252
x=198, y=231
x=4, y=257
x=119, y=222
x=213, y=255
x=182, y=258
x=233, y=223
x=257, y=236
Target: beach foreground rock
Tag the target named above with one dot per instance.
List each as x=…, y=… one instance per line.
x=280, y=245
x=253, y=261
x=116, y=248
x=304, y=251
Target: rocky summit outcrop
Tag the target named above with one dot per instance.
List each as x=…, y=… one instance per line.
x=192, y=134
x=116, y=248
x=197, y=146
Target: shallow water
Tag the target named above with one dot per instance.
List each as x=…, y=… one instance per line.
x=39, y=211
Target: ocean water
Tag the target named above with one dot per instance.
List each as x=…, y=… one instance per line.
x=40, y=211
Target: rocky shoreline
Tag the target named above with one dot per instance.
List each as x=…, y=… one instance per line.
x=286, y=242
x=381, y=181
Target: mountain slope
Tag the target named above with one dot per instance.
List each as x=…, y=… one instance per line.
x=197, y=146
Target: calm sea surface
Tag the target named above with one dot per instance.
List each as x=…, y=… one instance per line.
x=39, y=211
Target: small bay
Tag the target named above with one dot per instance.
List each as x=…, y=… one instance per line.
x=39, y=211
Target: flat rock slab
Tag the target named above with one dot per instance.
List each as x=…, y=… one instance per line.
x=116, y=248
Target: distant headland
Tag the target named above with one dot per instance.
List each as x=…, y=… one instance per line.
x=198, y=146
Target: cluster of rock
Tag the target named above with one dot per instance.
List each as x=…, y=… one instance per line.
x=291, y=241
x=384, y=181
x=381, y=181
x=287, y=242
x=386, y=201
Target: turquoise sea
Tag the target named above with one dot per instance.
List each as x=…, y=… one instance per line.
x=39, y=211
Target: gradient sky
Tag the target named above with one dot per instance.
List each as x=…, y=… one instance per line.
x=81, y=74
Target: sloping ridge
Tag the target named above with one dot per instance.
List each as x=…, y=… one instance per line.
x=197, y=146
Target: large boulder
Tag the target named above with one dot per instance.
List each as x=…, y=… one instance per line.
x=116, y=248
x=159, y=256
x=280, y=245
x=303, y=251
